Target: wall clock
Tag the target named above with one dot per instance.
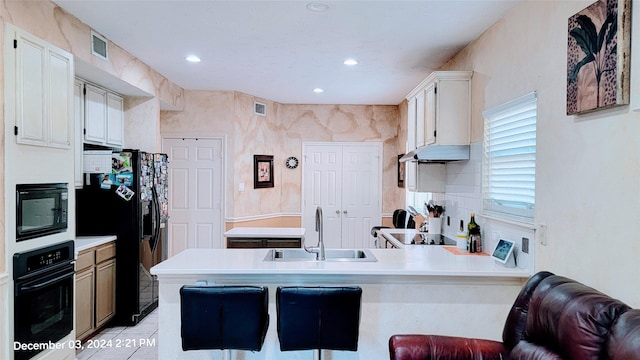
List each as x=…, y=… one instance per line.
x=292, y=162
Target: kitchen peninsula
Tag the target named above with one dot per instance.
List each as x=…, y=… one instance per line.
x=413, y=290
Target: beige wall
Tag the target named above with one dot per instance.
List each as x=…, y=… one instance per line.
x=280, y=133
x=587, y=170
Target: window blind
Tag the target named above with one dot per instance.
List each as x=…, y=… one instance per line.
x=509, y=160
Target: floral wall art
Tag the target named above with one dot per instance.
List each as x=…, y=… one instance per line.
x=598, y=53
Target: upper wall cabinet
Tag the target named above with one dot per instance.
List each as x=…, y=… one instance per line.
x=41, y=76
x=443, y=109
x=103, y=116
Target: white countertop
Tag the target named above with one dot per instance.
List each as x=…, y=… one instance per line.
x=410, y=261
x=274, y=232
x=86, y=242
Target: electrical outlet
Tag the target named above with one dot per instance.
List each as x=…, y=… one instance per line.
x=541, y=234
x=525, y=245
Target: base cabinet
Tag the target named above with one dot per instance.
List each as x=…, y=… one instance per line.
x=95, y=289
x=85, y=302
x=105, y=291
x=259, y=243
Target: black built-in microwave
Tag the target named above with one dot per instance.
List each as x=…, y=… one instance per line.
x=41, y=209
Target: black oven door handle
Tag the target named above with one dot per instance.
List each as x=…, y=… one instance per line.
x=40, y=285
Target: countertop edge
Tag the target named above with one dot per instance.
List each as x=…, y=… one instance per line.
x=252, y=232
x=86, y=242
x=346, y=279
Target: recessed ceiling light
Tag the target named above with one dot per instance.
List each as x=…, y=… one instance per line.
x=193, y=59
x=318, y=90
x=318, y=6
x=350, y=62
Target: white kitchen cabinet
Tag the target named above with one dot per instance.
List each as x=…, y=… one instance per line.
x=115, y=120
x=445, y=116
x=439, y=113
x=448, y=108
x=78, y=100
x=42, y=91
x=95, y=117
x=103, y=117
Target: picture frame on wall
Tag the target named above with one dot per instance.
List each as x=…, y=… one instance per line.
x=598, y=56
x=401, y=172
x=263, y=171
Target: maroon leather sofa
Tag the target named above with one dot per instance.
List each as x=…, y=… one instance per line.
x=552, y=318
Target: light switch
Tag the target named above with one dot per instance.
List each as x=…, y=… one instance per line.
x=241, y=186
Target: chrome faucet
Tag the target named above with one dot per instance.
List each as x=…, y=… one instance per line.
x=319, y=249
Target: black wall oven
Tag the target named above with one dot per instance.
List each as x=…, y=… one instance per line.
x=41, y=209
x=43, y=297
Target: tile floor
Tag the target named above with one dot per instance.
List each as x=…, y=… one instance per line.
x=138, y=342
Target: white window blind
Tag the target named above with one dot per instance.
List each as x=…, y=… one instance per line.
x=509, y=161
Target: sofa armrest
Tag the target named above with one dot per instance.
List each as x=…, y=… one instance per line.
x=425, y=347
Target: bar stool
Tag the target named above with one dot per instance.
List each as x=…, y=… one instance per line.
x=224, y=317
x=316, y=318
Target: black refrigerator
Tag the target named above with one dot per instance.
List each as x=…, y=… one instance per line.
x=130, y=202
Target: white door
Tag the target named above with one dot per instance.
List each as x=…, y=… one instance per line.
x=345, y=180
x=195, y=193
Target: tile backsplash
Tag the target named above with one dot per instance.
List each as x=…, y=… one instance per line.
x=463, y=196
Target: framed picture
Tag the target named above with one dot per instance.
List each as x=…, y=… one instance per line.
x=262, y=171
x=400, y=172
x=598, y=51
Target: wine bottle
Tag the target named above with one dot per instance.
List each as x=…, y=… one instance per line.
x=473, y=232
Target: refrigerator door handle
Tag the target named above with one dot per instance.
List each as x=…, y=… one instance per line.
x=156, y=220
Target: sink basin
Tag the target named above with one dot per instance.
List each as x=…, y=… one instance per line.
x=330, y=255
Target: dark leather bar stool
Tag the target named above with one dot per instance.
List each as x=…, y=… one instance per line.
x=224, y=317
x=316, y=318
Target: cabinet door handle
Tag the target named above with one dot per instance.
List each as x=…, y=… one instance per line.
x=337, y=212
x=344, y=212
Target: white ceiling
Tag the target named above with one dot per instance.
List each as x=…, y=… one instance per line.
x=280, y=50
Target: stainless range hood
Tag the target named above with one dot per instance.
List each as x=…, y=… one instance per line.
x=438, y=153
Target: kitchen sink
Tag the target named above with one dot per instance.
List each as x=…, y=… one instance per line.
x=330, y=255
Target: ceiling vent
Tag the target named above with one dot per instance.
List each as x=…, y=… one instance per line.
x=99, y=46
x=259, y=108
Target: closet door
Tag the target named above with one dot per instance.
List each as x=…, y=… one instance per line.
x=345, y=180
x=196, y=194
